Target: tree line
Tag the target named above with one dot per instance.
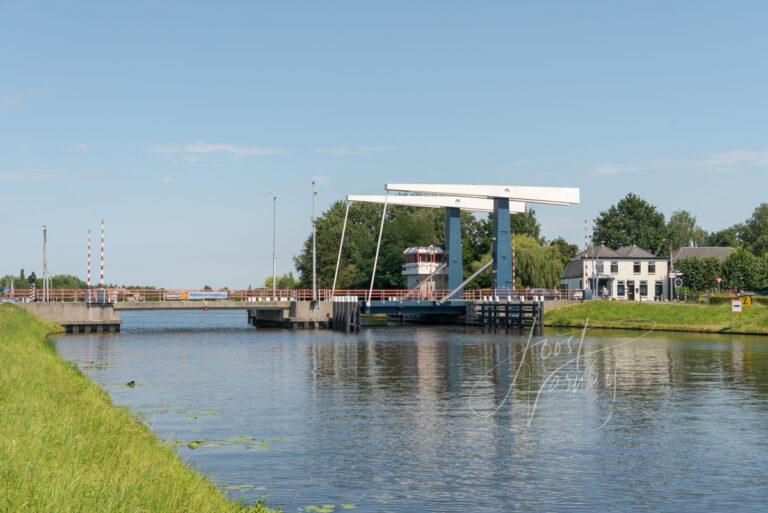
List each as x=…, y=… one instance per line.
x=635, y=221
x=742, y=270
x=539, y=263
x=57, y=281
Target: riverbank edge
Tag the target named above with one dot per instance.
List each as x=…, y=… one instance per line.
x=65, y=446
x=644, y=316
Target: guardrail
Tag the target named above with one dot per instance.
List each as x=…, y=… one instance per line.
x=116, y=295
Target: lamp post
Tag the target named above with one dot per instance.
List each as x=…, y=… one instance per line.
x=314, y=245
x=274, y=245
x=45, y=263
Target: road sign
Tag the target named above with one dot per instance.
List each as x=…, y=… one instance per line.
x=207, y=295
x=745, y=301
x=719, y=280
x=678, y=282
x=735, y=306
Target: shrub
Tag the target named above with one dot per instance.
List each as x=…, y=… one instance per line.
x=720, y=299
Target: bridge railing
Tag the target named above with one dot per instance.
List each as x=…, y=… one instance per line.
x=114, y=295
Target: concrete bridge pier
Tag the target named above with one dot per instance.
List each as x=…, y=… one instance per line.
x=77, y=317
x=292, y=315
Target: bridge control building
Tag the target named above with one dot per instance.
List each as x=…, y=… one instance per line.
x=424, y=268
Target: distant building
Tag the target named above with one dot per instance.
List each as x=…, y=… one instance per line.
x=424, y=268
x=629, y=273
x=721, y=253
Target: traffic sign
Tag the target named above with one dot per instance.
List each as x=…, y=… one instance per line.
x=745, y=301
x=735, y=306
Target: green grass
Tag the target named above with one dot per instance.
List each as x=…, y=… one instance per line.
x=65, y=448
x=666, y=316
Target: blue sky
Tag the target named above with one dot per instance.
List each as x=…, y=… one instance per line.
x=174, y=120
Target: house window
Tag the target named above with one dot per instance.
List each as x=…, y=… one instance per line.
x=652, y=267
x=636, y=267
x=615, y=267
x=621, y=289
x=643, y=288
x=581, y=284
x=600, y=268
x=659, y=289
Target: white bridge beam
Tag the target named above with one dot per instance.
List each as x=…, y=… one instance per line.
x=527, y=194
x=471, y=204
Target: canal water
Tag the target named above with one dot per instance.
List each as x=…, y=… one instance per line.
x=446, y=419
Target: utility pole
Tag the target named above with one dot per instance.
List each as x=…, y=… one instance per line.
x=274, y=245
x=45, y=263
x=101, y=279
x=314, y=245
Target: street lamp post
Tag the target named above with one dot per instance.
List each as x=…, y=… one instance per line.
x=45, y=263
x=314, y=245
x=274, y=245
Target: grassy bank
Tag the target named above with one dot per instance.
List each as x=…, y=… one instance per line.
x=65, y=447
x=671, y=317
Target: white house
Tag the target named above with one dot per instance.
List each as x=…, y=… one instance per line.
x=629, y=273
x=424, y=268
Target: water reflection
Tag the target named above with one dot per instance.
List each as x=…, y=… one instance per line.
x=446, y=419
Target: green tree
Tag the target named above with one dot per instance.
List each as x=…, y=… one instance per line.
x=699, y=274
x=682, y=230
x=58, y=281
x=728, y=237
x=67, y=281
x=754, y=233
x=403, y=227
x=631, y=221
x=536, y=265
x=284, y=282
x=525, y=223
x=566, y=250
x=743, y=271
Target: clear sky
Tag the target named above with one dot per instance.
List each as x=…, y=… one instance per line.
x=174, y=120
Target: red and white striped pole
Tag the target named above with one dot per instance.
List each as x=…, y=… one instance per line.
x=102, y=254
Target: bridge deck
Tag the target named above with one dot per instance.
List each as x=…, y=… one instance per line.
x=200, y=305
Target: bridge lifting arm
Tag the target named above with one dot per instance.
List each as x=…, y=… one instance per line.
x=436, y=201
x=378, y=247
x=464, y=283
x=341, y=245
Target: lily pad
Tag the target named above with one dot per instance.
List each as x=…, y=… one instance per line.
x=325, y=508
x=239, y=439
